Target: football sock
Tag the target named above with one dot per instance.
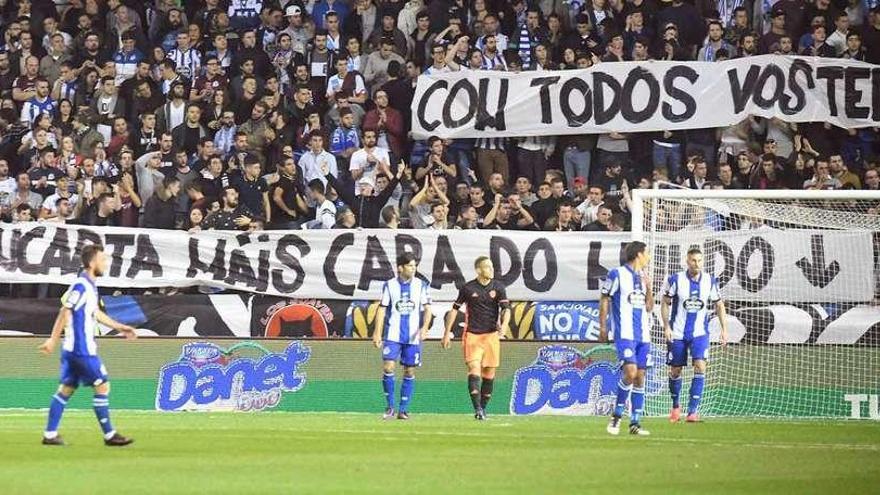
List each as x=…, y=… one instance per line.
x=638, y=405
x=406, y=391
x=623, y=390
x=56, y=410
x=696, y=392
x=486, y=391
x=388, y=386
x=675, y=390
x=102, y=410
x=474, y=390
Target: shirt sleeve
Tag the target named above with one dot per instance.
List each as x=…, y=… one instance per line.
x=611, y=284
x=714, y=295
x=386, y=296
x=670, y=287
x=461, y=299
x=503, y=301
x=426, y=294
x=74, y=298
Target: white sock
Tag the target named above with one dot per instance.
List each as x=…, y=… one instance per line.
x=49, y=435
x=109, y=435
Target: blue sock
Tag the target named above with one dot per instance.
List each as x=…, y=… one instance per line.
x=675, y=390
x=56, y=410
x=696, y=392
x=623, y=390
x=102, y=410
x=638, y=405
x=406, y=392
x=388, y=386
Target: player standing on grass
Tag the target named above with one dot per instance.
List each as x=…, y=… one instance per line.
x=487, y=305
x=402, y=320
x=79, y=317
x=627, y=290
x=690, y=293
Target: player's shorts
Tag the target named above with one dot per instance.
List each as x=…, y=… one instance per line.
x=408, y=354
x=678, y=350
x=85, y=370
x=632, y=352
x=482, y=347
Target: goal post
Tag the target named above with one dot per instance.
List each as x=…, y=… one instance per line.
x=798, y=272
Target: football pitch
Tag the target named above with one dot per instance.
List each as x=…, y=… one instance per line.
x=281, y=452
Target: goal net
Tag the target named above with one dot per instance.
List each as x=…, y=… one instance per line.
x=798, y=272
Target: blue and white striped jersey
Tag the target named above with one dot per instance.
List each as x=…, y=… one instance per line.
x=630, y=319
x=691, y=302
x=403, y=303
x=79, y=334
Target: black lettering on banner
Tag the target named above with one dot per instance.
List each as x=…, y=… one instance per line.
x=546, y=283
x=831, y=75
x=445, y=269
x=802, y=67
x=851, y=95
x=770, y=71
x=875, y=98
x=145, y=258
x=376, y=265
x=218, y=265
x=595, y=271
x=21, y=254
x=405, y=243
x=714, y=249
x=58, y=255
x=755, y=244
x=263, y=265
x=240, y=269
x=605, y=113
x=685, y=98
x=741, y=93
x=423, y=104
x=468, y=88
x=336, y=247
x=119, y=243
x=290, y=262
x=627, y=110
x=484, y=119
x=498, y=244
x=575, y=119
x=546, y=106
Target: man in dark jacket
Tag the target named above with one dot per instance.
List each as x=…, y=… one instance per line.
x=160, y=208
x=365, y=206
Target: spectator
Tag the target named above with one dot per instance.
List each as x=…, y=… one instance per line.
x=366, y=206
x=231, y=216
x=161, y=209
x=602, y=223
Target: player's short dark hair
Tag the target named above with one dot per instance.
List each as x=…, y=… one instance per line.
x=694, y=250
x=633, y=249
x=405, y=259
x=89, y=253
x=479, y=260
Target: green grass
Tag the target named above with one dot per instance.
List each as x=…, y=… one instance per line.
x=324, y=453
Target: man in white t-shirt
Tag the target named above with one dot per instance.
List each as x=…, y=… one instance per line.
x=325, y=211
x=7, y=183
x=365, y=161
x=50, y=204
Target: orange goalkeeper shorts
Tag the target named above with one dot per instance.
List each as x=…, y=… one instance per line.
x=482, y=347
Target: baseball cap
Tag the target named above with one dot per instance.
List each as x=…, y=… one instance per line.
x=292, y=10
x=579, y=181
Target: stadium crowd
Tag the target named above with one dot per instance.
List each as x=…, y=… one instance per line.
x=251, y=114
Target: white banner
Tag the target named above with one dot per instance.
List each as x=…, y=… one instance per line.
x=646, y=96
x=759, y=265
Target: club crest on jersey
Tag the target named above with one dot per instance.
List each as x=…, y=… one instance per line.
x=637, y=299
x=693, y=304
x=405, y=306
